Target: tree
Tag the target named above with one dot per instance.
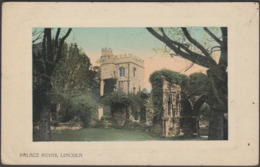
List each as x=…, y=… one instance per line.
x=183, y=43
x=199, y=89
x=43, y=67
x=72, y=77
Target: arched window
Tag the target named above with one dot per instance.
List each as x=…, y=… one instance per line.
x=134, y=71
x=122, y=71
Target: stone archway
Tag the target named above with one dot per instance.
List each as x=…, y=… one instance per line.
x=190, y=116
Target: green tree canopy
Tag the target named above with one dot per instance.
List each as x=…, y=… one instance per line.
x=74, y=77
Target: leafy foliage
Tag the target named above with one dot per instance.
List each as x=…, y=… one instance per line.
x=85, y=108
x=74, y=77
x=171, y=76
x=73, y=74
x=117, y=99
x=109, y=85
x=199, y=83
x=156, y=79
x=138, y=105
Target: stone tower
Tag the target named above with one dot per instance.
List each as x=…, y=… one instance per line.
x=127, y=69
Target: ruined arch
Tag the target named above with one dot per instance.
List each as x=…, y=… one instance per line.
x=197, y=105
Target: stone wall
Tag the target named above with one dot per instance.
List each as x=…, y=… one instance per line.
x=131, y=82
x=171, y=109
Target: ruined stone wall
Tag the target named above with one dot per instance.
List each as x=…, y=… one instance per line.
x=171, y=109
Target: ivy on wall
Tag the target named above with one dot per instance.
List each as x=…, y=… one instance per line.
x=109, y=85
x=117, y=99
x=156, y=79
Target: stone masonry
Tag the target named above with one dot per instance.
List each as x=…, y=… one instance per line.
x=170, y=121
x=127, y=69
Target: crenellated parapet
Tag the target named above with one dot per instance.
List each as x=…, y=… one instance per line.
x=106, y=52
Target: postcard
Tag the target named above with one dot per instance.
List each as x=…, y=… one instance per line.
x=130, y=83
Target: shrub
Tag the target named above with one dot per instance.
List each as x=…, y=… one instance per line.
x=85, y=108
x=117, y=100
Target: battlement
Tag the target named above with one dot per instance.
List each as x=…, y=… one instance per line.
x=106, y=52
x=109, y=57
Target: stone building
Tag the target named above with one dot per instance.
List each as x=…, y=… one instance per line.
x=127, y=69
x=179, y=114
x=170, y=121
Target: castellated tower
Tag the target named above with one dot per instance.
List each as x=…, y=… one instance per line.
x=126, y=68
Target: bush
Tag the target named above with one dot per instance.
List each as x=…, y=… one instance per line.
x=117, y=100
x=85, y=108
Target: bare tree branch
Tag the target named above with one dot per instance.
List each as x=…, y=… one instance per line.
x=198, y=45
x=50, y=54
x=37, y=38
x=35, y=32
x=184, y=46
x=176, y=47
x=214, y=49
x=44, y=47
x=61, y=44
x=213, y=36
x=191, y=65
x=57, y=38
x=39, y=33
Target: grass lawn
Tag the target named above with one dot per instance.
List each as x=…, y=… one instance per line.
x=99, y=134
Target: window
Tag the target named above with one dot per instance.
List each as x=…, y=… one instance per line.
x=134, y=71
x=122, y=71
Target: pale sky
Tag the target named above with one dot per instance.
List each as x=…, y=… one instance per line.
x=137, y=41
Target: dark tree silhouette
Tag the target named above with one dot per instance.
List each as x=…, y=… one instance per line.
x=43, y=67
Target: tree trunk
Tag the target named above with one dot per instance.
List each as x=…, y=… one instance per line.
x=218, y=102
x=45, y=125
x=216, y=125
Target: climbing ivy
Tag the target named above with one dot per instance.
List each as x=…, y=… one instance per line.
x=117, y=99
x=156, y=79
x=109, y=85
